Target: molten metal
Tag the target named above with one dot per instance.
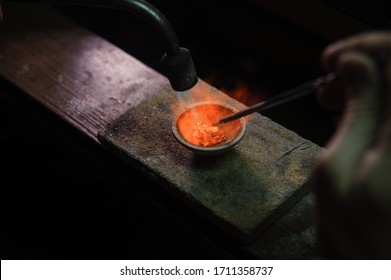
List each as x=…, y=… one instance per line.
x=195, y=125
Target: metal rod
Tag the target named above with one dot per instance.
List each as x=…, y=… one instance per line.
x=289, y=95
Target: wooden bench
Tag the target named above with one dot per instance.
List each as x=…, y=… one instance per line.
x=90, y=83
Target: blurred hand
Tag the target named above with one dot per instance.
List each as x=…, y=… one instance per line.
x=353, y=176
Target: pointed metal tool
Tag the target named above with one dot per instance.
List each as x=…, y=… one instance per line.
x=289, y=95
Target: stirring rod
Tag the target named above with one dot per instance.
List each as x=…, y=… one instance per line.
x=289, y=95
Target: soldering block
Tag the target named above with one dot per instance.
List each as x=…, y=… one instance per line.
x=241, y=191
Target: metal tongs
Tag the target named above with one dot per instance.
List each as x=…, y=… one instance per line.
x=289, y=95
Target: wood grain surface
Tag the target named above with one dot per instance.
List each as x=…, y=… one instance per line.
x=89, y=82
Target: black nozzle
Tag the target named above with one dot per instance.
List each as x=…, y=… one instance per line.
x=180, y=70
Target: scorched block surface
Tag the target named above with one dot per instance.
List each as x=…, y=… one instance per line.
x=242, y=190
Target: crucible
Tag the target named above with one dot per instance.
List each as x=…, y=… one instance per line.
x=193, y=128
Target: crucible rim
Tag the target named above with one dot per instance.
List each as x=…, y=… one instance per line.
x=214, y=150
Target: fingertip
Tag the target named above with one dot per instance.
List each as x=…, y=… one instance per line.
x=325, y=58
x=331, y=97
x=355, y=67
x=371, y=43
x=330, y=55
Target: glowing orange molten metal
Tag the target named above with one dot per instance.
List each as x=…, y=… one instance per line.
x=195, y=125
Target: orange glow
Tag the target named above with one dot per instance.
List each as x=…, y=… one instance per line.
x=196, y=109
x=243, y=94
x=195, y=125
x=239, y=91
